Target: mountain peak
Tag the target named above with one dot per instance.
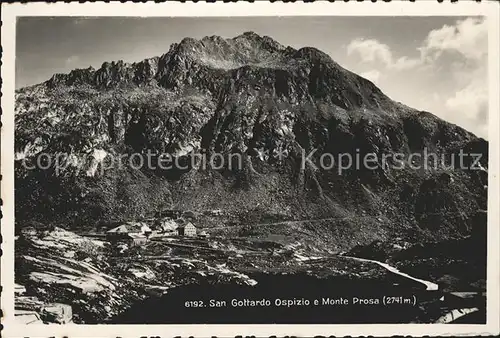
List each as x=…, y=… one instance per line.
x=240, y=95
x=249, y=35
x=264, y=40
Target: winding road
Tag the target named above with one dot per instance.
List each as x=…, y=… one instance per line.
x=430, y=286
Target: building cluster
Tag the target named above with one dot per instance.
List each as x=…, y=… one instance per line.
x=138, y=233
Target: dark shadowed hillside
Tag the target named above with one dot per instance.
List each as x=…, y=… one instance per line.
x=252, y=96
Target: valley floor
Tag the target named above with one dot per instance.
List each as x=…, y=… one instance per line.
x=64, y=277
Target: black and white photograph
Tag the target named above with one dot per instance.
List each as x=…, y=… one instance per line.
x=280, y=169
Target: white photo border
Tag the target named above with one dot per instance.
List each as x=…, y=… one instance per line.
x=10, y=12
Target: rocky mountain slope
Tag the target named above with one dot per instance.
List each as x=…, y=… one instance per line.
x=252, y=96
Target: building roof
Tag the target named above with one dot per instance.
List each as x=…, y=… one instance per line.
x=168, y=225
x=122, y=229
x=127, y=228
x=186, y=225
x=119, y=229
x=136, y=236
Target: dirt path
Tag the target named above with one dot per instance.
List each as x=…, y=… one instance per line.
x=229, y=227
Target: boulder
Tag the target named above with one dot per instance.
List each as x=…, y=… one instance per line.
x=57, y=313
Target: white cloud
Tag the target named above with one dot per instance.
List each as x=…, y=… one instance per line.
x=471, y=102
x=458, y=52
x=370, y=50
x=72, y=60
x=468, y=105
x=467, y=37
x=372, y=75
x=404, y=63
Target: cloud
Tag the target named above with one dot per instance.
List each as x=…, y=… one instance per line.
x=370, y=50
x=457, y=52
x=404, y=63
x=468, y=105
x=468, y=37
x=471, y=102
x=72, y=60
x=372, y=75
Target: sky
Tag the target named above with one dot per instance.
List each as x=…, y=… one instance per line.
x=437, y=64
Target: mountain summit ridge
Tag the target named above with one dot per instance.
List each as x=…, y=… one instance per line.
x=244, y=43
x=223, y=56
